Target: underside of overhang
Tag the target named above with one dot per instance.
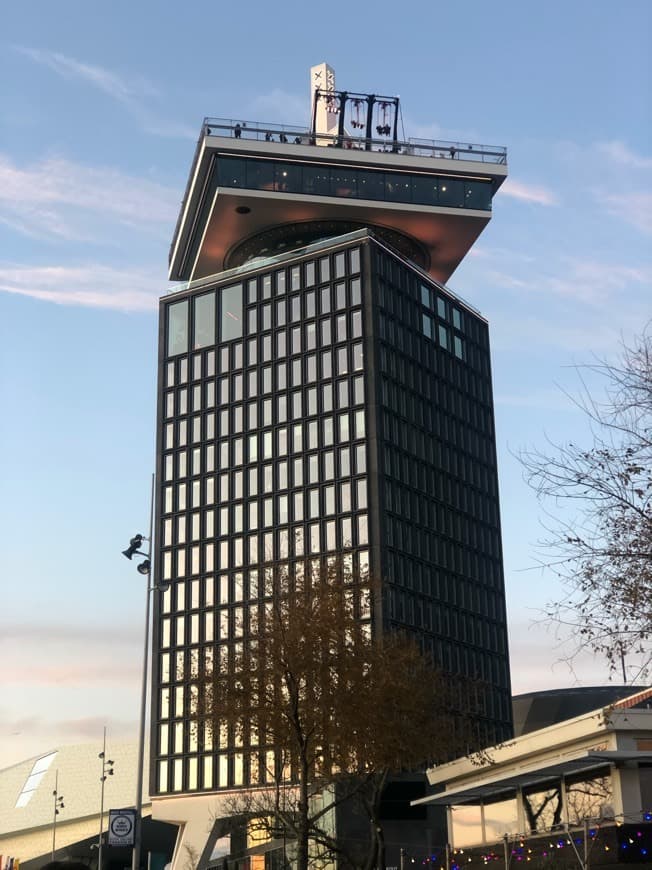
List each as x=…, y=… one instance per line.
x=442, y=235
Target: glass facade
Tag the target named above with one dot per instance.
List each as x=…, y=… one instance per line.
x=438, y=484
x=305, y=411
x=543, y=809
x=262, y=463
x=320, y=179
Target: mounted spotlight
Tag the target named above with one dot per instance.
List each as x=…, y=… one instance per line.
x=58, y=805
x=144, y=567
x=134, y=546
x=106, y=771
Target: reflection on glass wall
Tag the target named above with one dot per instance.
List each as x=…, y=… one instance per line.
x=346, y=181
x=543, y=808
x=500, y=818
x=467, y=825
x=178, y=327
x=586, y=798
x=231, y=316
x=204, y=320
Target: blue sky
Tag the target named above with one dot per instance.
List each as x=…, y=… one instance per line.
x=102, y=105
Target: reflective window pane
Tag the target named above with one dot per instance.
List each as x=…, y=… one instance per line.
x=204, y=320
x=231, y=314
x=178, y=327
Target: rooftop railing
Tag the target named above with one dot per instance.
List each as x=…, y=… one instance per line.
x=291, y=135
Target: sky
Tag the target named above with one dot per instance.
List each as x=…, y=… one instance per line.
x=102, y=107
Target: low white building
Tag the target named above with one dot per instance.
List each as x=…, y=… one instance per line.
x=578, y=789
x=32, y=833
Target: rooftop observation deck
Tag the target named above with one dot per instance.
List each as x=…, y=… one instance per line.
x=251, y=181
x=291, y=135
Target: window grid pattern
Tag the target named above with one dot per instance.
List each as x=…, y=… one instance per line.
x=442, y=555
x=263, y=463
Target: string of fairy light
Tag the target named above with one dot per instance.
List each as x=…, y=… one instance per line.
x=634, y=842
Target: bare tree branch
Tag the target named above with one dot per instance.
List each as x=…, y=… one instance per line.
x=603, y=555
x=331, y=707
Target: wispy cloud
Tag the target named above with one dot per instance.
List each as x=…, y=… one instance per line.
x=71, y=674
x=533, y=193
x=69, y=633
x=424, y=131
x=65, y=654
x=518, y=332
x=131, y=92
x=624, y=192
x=432, y=130
x=635, y=208
x=549, y=399
x=79, y=674
x=507, y=281
x=117, y=87
x=540, y=659
x=596, y=281
x=281, y=107
x=496, y=253
x=54, y=198
x=589, y=280
x=621, y=153
x=93, y=285
x=87, y=727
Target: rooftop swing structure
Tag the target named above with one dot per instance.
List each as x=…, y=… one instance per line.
x=363, y=121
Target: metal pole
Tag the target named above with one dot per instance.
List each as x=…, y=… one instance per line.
x=135, y=855
x=586, y=844
x=371, y=99
x=54, y=817
x=340, y=126
x=402, y=860
x=450, y=840
x=102, y=780
x=395, y=130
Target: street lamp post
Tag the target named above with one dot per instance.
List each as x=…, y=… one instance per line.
x=58, y=805
x=107, y=770
x=145, y=568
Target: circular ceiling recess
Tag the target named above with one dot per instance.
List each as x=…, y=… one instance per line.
x=284, y=238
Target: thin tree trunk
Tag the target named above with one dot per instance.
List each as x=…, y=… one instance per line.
x=377, y=794
x=381, y=847
x=371, y=861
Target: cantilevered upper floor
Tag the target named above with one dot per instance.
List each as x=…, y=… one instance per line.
x=255, y=191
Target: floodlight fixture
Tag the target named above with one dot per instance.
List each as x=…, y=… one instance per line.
x=134, y=546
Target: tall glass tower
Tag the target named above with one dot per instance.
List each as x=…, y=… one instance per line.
x=321, y=392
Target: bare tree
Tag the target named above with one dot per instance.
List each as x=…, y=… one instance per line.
x=604, y=553
x=330, y=708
